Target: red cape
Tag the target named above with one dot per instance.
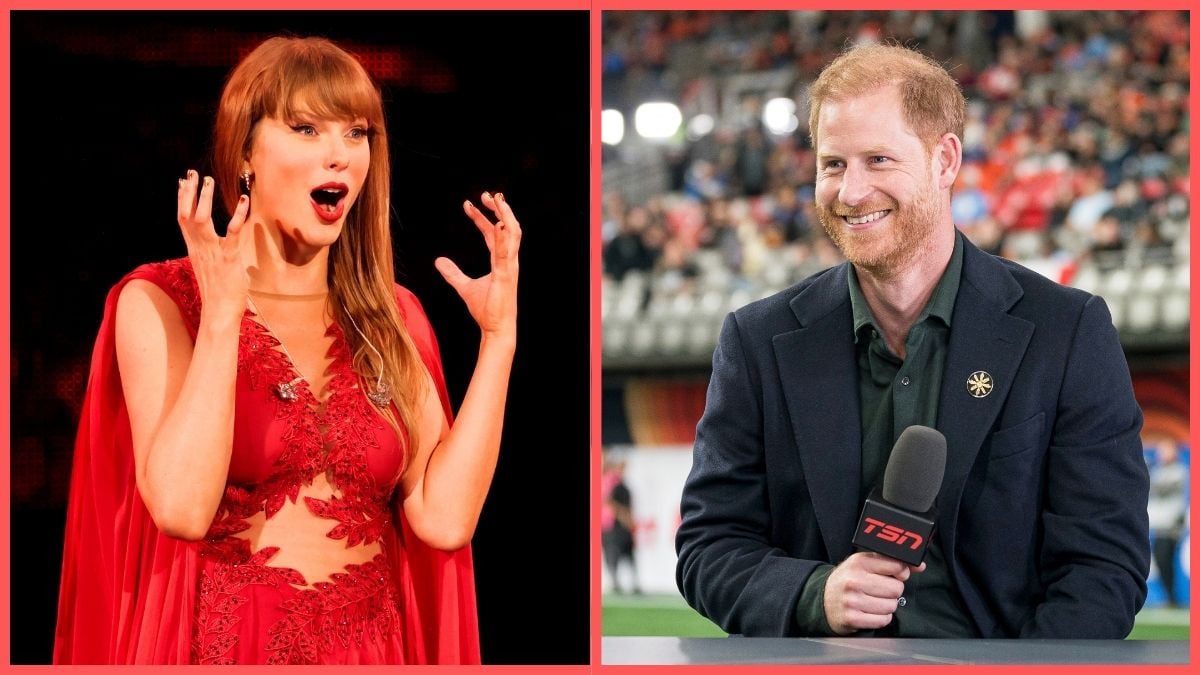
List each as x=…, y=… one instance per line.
x=128, y=592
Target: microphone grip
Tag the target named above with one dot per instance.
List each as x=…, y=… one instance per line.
x=894, y=532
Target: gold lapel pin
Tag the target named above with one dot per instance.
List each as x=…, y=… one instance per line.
x=979, y=384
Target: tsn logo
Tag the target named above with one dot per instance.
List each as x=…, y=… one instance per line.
x=892, y=533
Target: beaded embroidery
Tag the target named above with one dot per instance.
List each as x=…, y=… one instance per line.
x=359, y=603
x=330, y=436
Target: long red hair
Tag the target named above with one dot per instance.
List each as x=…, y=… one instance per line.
x=281, y=77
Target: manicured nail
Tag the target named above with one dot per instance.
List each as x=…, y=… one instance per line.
x=500, y=196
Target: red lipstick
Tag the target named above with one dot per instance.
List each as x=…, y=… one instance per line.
x=329, y=201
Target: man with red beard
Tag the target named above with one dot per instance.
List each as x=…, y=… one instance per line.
x=1041, y=526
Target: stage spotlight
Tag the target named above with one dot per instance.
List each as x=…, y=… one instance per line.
x=657, y=120
x=779, y=116
x=700, y=126
x=612, y=126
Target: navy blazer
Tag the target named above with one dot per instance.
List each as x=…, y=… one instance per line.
x=1043, y=506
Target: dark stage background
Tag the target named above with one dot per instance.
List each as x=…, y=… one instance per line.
x=108, y=109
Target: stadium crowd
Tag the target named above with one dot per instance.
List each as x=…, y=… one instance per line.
x=1075, y=147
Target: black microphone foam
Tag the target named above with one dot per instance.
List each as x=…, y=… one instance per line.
x=915, y=469
x=900, y=524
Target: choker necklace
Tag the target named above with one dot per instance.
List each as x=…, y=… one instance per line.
x=287, y=296
x=380, y=395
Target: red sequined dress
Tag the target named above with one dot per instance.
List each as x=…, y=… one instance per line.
x=130, y=594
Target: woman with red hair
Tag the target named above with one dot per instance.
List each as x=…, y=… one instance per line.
x=266, y=469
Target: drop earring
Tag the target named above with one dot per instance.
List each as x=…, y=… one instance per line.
x=246, y=179
x=381, y=393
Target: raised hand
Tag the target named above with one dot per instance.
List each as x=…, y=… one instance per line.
x=492, y=298
x=447, y=482
x=220, y=273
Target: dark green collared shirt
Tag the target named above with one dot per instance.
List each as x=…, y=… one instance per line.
x=894, y=394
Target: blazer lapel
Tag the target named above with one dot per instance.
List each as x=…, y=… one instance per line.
x=817, y=370
x=986, y=347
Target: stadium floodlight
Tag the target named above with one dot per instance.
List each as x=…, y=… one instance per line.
x=779, y=116
x=700, y=126
x=657, y=120
x=612, y=126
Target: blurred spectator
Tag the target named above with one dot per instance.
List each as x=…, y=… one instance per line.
x=969, y=204
x=1092, y=202
x=788, y=217
x=1149, y=244
x=1167, y=510
x=675, y=269
x=616, y=524
x=628, y=250
x=703, y=182
x=752, y=154
x=1106, y=235
x=1128, y=208
x=720, y=234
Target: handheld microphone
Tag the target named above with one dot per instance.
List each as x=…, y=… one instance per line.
x=900, y=523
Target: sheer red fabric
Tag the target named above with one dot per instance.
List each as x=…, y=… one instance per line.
x=130, y=594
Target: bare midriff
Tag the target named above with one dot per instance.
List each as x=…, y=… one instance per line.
x=302, y=537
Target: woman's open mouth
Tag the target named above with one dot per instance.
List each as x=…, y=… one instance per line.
x=329, y=201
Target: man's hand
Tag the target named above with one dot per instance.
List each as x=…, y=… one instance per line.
x=863, y=591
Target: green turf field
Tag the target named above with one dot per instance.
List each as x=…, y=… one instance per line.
x=670, y=615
